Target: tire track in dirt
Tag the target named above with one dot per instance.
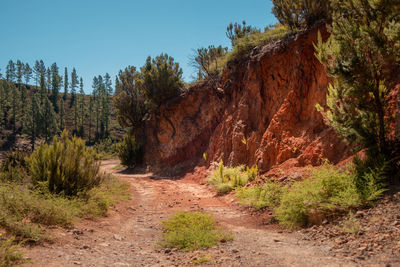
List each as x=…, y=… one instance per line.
x=128, y=236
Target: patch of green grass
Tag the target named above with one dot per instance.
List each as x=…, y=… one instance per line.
x=24, y=212
x=328, y=190
x=260, y=197
x=10, y=253
x=190, y=231
x=226, y=179
x=244, y=45
x=351, y=225
x=202, y=260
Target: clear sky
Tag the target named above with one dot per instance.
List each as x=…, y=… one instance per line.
x=99, y=36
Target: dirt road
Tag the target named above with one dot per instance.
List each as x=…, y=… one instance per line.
x=128, y=236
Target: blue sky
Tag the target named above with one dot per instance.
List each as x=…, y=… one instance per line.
x=99, y=36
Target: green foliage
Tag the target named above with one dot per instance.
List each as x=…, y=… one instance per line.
x=243, y=46
x=191, y=231
x=129, y=151
x=299, y=14
x=14, y=167
x=10, y=253
x=370, y=174
x=252, y=173
x=106, y=149
x=160, y=80
x=361, y=55
x=130, y=101
x=202, y=260
x=351, y=225
x=328, y=190
x=237, y=31
x=260, y=197
x=205, y=60
x=226, y=179
x=64, y=167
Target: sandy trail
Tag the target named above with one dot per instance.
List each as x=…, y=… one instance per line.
x=128, y=236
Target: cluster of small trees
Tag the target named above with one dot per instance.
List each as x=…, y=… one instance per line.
x=139, y=93
x=39, y=111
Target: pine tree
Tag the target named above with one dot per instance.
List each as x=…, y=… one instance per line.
x=22, y=89
x=65, y=83
x=90, y=111
x=48, y=81
x=10, y=71
x=19, y=72
x=362, y=55
x=73, y=85
x=32, y=120
x=81, y=108
x=15, y=105
x=27, y=73
x=48, y=120
x=62, y=114
x=108, y=92
x=55, y=84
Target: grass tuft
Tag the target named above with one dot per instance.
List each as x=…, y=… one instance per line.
x=10, y=253
x=191, y=231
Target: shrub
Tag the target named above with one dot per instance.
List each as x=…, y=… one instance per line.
x=298, y=14
x=190, y=231
x=328, y=190
x=64, y=167
x=226, y=179
x=105, y=149
x=129, y=151
x=369, y=176
x=243, y=46
x=10, y=253
x=14, y=167
x=251, y=173
x=22, y=211
x=267, y=195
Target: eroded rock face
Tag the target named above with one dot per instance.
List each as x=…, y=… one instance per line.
x=261, y=112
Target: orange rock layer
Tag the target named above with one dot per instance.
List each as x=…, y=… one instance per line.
x=261, y=112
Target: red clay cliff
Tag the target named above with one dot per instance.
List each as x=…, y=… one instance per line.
x=261, y=112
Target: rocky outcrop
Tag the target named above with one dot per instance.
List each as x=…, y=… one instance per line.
x=261, y=112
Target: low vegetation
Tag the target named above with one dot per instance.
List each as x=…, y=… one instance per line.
x=10, y=253
x=328, y=191
x=65, y=167
x=227, y=179
x=60, y=183
x=191, y=231
x=130, y=151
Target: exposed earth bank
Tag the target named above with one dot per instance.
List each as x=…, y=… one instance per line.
x=128, y=236
x=260, y=112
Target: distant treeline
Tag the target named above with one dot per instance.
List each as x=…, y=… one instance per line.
x=40, y=111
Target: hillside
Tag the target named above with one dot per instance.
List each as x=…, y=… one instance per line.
x=9, y=140
x=261, y=112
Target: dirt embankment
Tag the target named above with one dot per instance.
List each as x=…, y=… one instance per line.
x=261, y=112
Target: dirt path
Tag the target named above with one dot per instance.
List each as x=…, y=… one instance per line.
x=128, y=235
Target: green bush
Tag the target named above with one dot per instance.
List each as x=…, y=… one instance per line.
x=14, y=167
x=226, y=179
x=129, y=151
x=190, y=231
x=10, y=253
x=327, y=191
x=64, y=167
x=24, y=211
x=243, y=46
x=298, y=14
x=260, y=197
x=370, y=174
x=106, y=149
